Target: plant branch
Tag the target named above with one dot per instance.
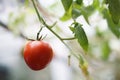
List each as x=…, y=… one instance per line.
x=40, y=18
x=39, y=33
x=4, y=25
x=7, y=28
x=68, y=38
x=49, y=28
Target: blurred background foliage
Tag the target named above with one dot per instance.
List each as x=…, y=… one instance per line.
x=95, y=25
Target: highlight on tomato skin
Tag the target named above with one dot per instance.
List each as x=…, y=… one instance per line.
x=37, y=54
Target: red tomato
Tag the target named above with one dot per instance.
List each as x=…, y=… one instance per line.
x=37, y=54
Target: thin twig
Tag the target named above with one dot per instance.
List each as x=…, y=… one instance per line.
x=39, y=33
x=4, y=25
x=68, y=38
x=7, y=28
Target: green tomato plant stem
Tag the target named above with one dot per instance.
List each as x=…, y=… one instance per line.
x=68, y=38
x=38, y=38
x=49, y=28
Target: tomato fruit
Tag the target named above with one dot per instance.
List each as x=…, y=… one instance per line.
x=37, y=54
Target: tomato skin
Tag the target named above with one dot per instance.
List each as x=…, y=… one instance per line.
x=37, y=54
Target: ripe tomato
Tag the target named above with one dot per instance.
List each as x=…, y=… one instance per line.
x=37, y=54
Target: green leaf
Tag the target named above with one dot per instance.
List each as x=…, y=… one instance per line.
x=67, y=15
x=96, y=4
x=72, y=29
x=105, y=50
x=75, y=13
x=81, y=60
x=76, y=6
x=114, y=8
x=115, y=28
x=81, y=36
x=87, y=11
x=67, y=4
x=106, y=1
x=79, y=2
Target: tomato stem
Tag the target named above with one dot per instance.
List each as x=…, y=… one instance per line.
x=68, y=38
x=49, y=28
x=38, y=38
x=40, y=18
x=53, y=24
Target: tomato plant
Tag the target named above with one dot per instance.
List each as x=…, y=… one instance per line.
x=37, y=54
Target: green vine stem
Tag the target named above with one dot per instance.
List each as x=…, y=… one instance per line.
x=68, y=38
x=38, y=38
x=49, y=28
